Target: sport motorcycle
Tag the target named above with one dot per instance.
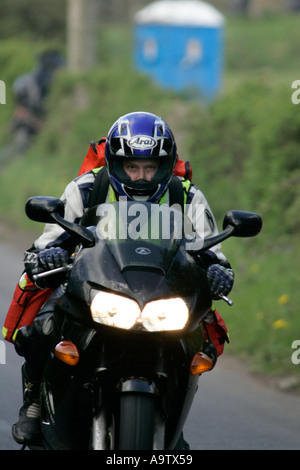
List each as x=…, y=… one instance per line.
x=126, y=353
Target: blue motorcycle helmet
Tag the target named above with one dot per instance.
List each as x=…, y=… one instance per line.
x=140, y=135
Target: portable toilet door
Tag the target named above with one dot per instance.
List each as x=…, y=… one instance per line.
x=180, y=44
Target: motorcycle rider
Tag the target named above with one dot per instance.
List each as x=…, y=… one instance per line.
x=140, y=156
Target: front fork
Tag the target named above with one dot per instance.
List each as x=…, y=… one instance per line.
x=105, y=418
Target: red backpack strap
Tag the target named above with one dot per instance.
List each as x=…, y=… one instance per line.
x=94, y=158
x=183, y=169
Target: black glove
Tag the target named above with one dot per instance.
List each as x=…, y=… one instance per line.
x=45, y=260
x=52, y=258
x=220, y=280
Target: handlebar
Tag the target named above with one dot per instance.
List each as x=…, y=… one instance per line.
x=36, y=277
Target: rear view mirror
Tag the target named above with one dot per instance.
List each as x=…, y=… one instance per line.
x=245, y=224
x=40, y=209
x=51, y=210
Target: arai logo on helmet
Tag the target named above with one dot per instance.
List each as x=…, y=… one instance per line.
x=142, y=142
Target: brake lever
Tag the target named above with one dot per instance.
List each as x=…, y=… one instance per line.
x=228, y=301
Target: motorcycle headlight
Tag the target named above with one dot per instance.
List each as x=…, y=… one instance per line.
x=114, y=310
x=165, y=315
x=122, y=312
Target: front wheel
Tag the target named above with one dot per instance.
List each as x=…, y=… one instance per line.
x=137, y=421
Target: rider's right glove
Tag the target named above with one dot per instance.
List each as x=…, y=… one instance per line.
x=45, y=260
x=52, y=258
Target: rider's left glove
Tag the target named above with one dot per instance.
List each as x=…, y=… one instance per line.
x=220, y=280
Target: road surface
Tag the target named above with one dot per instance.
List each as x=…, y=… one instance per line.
x=231, y=410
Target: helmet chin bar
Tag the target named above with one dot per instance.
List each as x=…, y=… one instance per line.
x=150, y=194
x=137, y=193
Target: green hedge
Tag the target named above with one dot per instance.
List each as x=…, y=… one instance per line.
x=245, y=152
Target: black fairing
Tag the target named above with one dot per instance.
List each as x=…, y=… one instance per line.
x=143, y=270
x=98, y=268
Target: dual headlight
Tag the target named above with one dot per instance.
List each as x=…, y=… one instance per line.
x=122, y=312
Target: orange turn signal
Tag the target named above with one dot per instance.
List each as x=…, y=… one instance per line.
x=200, y=363
x=67, y=352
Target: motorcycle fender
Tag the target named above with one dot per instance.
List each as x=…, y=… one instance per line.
x=138, y=385
x=144, y=386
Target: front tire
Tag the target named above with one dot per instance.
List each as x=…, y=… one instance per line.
x=137, y=421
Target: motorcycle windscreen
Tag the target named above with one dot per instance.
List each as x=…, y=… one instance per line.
x=141, y=234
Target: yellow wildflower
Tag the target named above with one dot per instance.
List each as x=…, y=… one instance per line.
x=281, y=324
x=283, y=299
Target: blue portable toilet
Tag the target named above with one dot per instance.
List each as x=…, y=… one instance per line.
x=180, y=44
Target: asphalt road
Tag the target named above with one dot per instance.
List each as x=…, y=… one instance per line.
x=10, y=371
x=234, y=411
x=231, y=410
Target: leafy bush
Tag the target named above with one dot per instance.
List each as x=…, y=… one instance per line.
x=245, y=152
x=33, y=18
